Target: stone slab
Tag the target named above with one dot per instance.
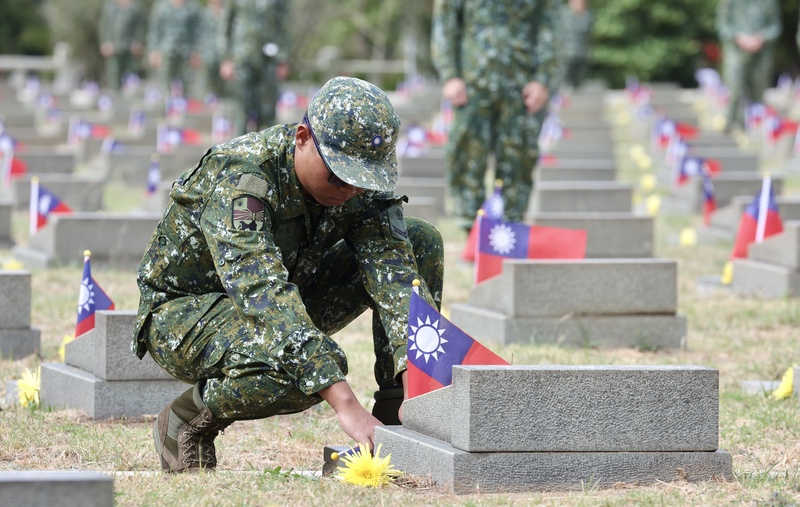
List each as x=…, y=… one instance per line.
x=731, y=159
x=644, y=332
x=431, y=414
x=64, y=386
x=547, y=173
x=782, y=249
x=425, y=166
x=567, y=148
x=62, y=488
x=426, y=208
x=421, y=187
x=689, y=196
x=608, y=235
x=85, y=194
x=552, y=288
x=15, y=299
x=601, y=134
x=759, y=387
x=754, y=278
x=18, y=343
x=48, y=161
x=6, y=237
x=471, y=473
x=603, y=164
x=114, y=238
x=579, y=196
x=113, y=357
x=596, y=408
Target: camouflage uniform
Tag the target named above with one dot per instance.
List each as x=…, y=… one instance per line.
x=174, y=31
x=575, y=28
x=746, y=74
x=256, y=40
x=496, y=47
x=212, y=22
x=122, y=24
x=245, y=279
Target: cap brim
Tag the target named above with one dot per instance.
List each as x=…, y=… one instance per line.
x=380, y=175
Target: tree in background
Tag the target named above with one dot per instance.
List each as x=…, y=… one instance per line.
x=23, y=30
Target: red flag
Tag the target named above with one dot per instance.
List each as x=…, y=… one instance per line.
x=43, y=204
x=435, y=345
x=499, y=240
x=760, y=220
x=90, y=299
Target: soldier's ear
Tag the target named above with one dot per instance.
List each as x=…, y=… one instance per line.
x=303, y=136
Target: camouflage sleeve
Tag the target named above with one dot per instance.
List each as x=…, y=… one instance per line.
x=387, y=261
x=237, y=222
x=545, y=48
x=104, y=32
x=224, y=32
x=773, y=18
x=725, y=27
x=446, y=38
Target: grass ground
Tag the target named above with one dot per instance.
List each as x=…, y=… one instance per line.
x=744, y=338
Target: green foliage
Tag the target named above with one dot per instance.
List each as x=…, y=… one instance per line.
x=22, y=28
x=654, y=41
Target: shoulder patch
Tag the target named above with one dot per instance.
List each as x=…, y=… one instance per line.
x=247, y=214
x=397, y=222
x=252, y=184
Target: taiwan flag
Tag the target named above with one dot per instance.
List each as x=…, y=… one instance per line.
x=499, y=240
x=759, y=220
x=80, y=129
x=691, y=167
x=435, y=345
x=153, y=175
x=709, y=203
x=12, y=166
x=777, y=127
x=178, y=136
x=43, y=204
x=90, y=299
x=492, y=207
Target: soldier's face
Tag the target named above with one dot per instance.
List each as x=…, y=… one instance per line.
x=314, y=176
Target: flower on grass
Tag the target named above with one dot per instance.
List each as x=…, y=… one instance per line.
x=363, y=469
x=784, y=390
x=62, y=350
x=28, y=388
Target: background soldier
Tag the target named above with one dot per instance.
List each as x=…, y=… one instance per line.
x=122, y=28
x=495, y=58
x=576, y=24
x=172, y=41
x=273, y=242
x=255, y=45
x=212, y=19
x=748, y=30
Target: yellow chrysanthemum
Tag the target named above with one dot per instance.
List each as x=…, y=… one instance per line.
x=648, y=182
x=653, y=204
x=727, y=273
x=28, y=388
x=363, y=469
x=62, y=350
x=12, y=265
x=784, y=390
x=688, y=237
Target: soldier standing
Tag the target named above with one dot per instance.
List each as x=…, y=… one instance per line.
x=212, y=24
x=576, y=24
x=496, y=59
x=255, y=46
x=122, y=28
x=172, y=41
x=274, y=241
x=748, y=30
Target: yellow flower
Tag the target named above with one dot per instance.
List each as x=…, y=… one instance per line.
x=688, y=237
x=727, y=273
x=784, y=390
x=364, y=469
x=28, y=387
x=12, y=265
x=62, y=350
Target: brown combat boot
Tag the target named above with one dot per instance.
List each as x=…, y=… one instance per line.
x=187, y=446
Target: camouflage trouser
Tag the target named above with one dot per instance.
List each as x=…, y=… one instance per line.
x=174, y=68
x=495, y=123
x=747, y=76
x=242, y=380
x=256, y=91
x=575, y=72
x=117, y=66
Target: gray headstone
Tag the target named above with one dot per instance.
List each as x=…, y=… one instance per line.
x=15, y=299
x=782, y=249
x=62, y=488
x=608, y=235
x=727, y=186
x=424, y=166
x=6, y=239
x=754, y=278
x=84, y=194
x=578, y=196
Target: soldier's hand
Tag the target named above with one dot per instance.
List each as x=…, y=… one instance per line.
x=455, y=90
x=535, y=96
x=354, y=419
x=750, y=43
x=227, y=70
x=155, y=59
x=107, y=49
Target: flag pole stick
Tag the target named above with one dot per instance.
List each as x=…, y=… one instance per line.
x=33, y=206
x=763, y=208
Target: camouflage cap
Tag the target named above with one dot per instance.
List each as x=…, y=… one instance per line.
x=357, y=129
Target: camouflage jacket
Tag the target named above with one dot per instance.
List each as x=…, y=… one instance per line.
x=495, y=44
x=122, y=26
x=208, y=246
x=575, y=29
x=750, y=17
x=174, y=30
x=255, y=30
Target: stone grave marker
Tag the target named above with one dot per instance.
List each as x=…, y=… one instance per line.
x=531, y=428
x=772, y=267
x=62, y=488
x=17, y=338
x=6, y=209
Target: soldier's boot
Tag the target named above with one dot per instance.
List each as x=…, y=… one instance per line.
x=387, y=405
x=184, y=434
